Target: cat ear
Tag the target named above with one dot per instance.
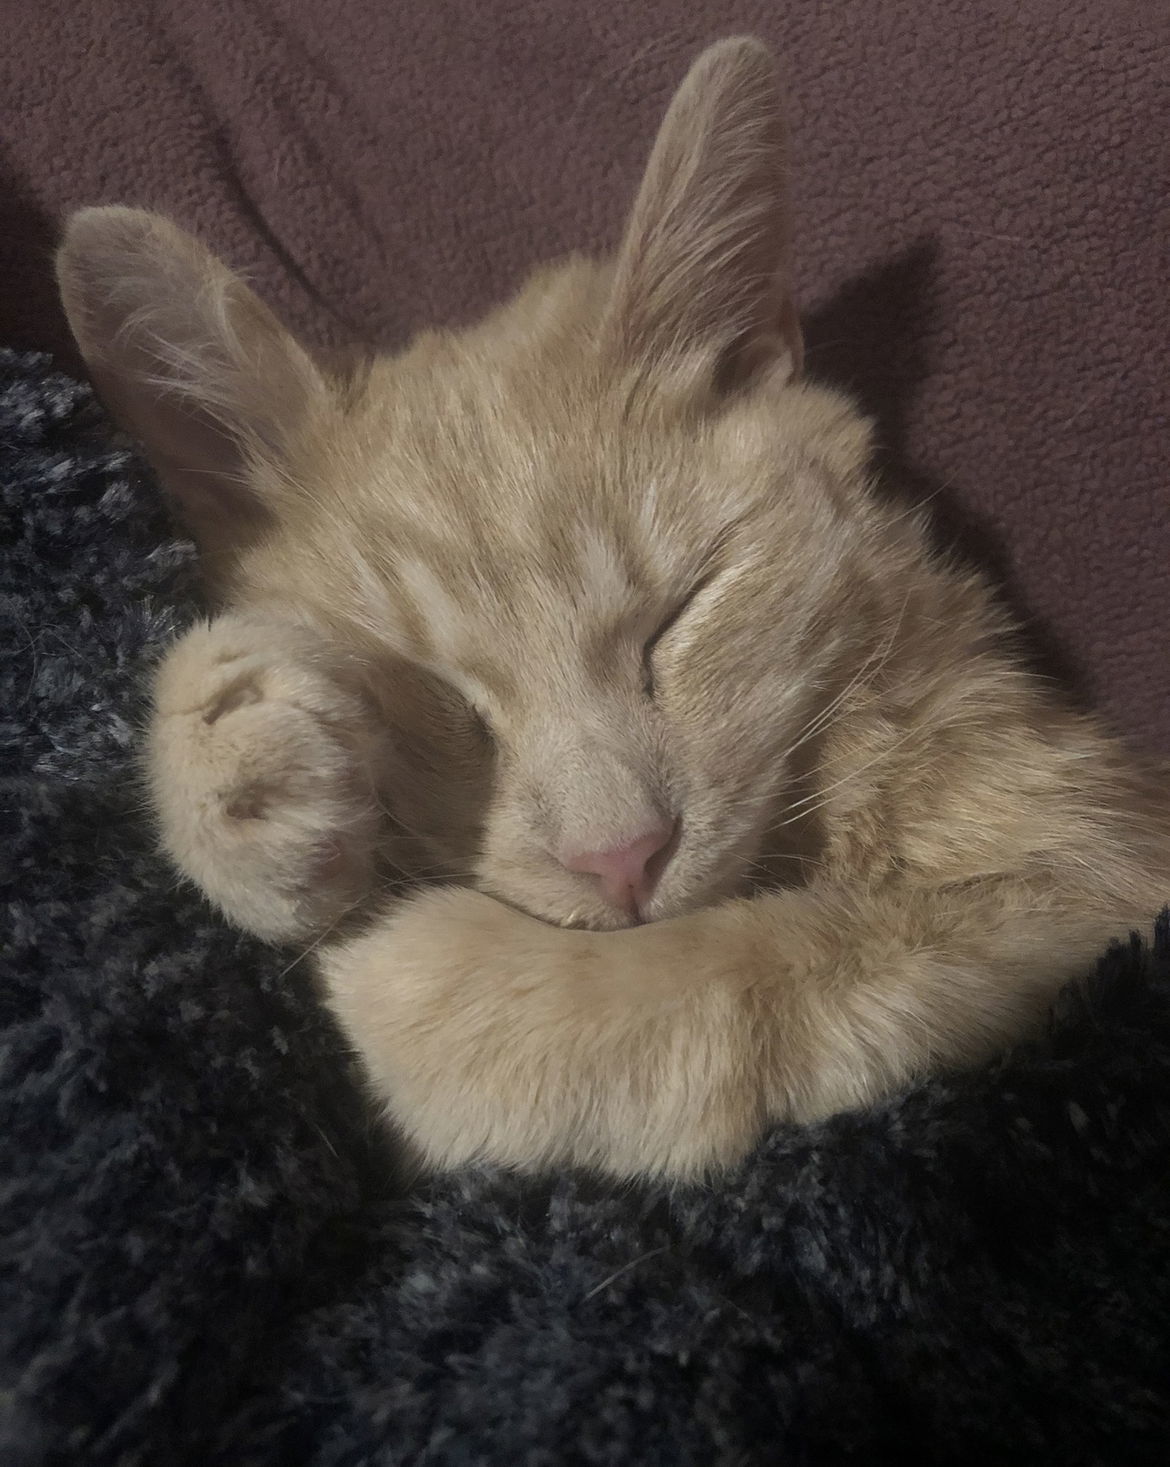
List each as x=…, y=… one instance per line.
x=189, y=361
x=703, y=267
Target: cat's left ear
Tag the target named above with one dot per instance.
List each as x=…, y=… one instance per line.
x=192, y=363
x=703, y=268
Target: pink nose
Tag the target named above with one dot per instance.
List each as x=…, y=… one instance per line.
x=627, y=871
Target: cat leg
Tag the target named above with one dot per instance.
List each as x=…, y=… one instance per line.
x=666, y=1049
x=259, y=759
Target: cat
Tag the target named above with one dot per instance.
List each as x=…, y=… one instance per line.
x=641, y=776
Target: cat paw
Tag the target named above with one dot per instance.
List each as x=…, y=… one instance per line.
x=259, y=762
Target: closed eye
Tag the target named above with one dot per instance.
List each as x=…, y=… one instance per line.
x=667, y=625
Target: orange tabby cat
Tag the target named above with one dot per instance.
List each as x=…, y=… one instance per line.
x=744, y=808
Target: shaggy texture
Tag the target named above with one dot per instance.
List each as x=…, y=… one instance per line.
x=202, y=1263
x=981, y=241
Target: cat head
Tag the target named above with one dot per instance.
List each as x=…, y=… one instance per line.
x=603, y=559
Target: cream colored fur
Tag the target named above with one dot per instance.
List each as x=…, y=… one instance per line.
x=604, y=560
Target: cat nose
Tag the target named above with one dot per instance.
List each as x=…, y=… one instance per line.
x=627, y=870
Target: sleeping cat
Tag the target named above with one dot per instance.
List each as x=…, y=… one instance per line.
x=640, y=777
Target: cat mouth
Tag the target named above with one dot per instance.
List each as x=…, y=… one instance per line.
x=585, y=921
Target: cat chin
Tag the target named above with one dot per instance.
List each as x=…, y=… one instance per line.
x=590, y=922
x=581, y=916
x=591, y=917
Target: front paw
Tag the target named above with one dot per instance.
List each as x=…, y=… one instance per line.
x=259, y=762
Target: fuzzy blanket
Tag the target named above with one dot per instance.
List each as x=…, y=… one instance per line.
x=202, y=1261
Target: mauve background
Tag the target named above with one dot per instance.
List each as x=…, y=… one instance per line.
x=984, y=229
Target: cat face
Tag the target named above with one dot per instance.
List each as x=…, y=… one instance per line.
x=620, y=596
x=603, y=560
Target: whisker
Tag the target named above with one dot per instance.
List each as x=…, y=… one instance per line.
x=820, y=796
x=867, y=669
x=321, y=936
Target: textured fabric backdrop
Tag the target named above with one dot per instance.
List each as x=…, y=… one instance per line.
x=982, y=189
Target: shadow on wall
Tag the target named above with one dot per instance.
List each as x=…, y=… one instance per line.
x=872, y=339
x=31, y=318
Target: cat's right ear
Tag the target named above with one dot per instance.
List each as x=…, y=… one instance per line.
x=190, y=362
x=703, y=273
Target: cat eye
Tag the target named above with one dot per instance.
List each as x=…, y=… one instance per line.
x=482, y=727
x=667, y=625
x=458, y=713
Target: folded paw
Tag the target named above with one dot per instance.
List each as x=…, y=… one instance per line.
x=259, y=762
